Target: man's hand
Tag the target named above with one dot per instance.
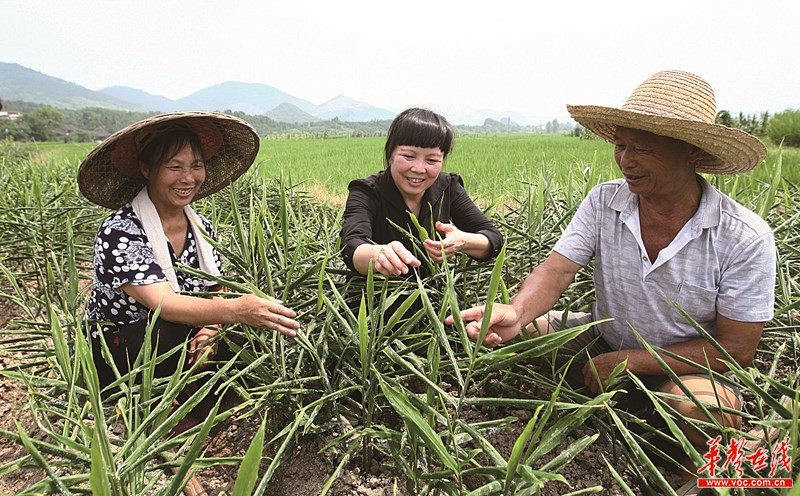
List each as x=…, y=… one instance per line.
x=604, y=366
x=503, y=323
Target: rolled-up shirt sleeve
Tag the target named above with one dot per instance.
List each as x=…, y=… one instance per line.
x=468, y=217
x=358, y=220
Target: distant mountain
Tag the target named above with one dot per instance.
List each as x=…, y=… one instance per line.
x=22, y=84
x=18, y=83
x=464, y=114
x=347, y=109
x=286, y=112
x=250, y=98
x=141, y=98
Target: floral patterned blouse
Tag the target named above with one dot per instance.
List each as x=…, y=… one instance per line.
x=123, y=255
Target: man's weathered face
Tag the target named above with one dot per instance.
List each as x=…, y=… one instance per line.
x=652, y=164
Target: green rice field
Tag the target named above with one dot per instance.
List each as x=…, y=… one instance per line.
x=494, y=167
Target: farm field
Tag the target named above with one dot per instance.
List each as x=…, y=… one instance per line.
x=375, y=395
x=494, y=167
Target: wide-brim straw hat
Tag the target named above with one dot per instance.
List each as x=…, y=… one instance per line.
x=679, y=105
x=110, y=175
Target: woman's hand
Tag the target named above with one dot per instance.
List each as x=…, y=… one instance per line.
x=266, y=314
x=393, y=259
x=200, y=349
x=453, y=242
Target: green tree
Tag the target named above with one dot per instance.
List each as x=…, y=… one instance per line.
x=749, y=123
x=765, y=117
x=784, y=127
x=724, y=117
x=15, y=130
x=40, y=123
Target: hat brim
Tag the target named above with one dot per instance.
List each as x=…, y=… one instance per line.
x=110, y=176
x=728, y=150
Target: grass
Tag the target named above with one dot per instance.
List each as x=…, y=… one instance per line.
x=422, y=398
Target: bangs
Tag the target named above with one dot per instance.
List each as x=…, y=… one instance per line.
x=424, y=135
x=161, y=149
x=421, y=128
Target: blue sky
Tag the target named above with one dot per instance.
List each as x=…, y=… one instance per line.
x=526, y=56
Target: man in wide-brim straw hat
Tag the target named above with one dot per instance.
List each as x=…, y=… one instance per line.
x=150, y=173
x=660, y=237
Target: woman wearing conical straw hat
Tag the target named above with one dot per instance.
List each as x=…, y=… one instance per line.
x=660, y=237
x=150, y=173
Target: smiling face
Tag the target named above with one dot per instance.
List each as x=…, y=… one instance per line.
x=654, y=165
x=174, y=184
x=414, y=170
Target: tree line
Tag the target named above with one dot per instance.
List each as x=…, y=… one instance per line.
x=40, y=122
x=46, y=123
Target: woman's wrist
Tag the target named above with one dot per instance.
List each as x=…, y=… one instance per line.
x=363, y=254
x=475, y=245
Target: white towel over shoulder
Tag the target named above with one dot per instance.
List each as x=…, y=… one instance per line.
x=146, y=212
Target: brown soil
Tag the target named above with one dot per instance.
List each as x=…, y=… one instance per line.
x=306, y=470
x=12, y=409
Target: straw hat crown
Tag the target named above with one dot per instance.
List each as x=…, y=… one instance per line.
x=679, y=105
x=110, y=175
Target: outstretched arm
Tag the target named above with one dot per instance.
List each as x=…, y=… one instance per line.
x=538, y=294
x=391, y=259
x=183, y=309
